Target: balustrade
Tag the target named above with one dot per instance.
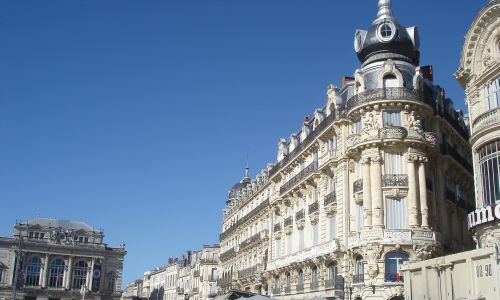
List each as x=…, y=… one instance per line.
x=314, y=207
x=277, y=227
x=299, y=215
x=311, y=168
x=394, y=180
x=254, y=239
x=394, y=93
x=486, y=119
x=330, y=198
x=289, y=221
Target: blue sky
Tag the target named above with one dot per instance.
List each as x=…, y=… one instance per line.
x=138, y=116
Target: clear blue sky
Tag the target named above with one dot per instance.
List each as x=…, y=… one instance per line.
x=138, y=116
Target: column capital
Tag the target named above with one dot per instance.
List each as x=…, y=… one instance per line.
x=364, y=160
x=377, y=159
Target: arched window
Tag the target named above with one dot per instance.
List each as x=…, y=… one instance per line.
x=334, y=280
x=56, y=273
x=33, y=271
x=300, y=281
x=288, y=287
x=489, y=162
x=112, y=282
x=359, y=270
x=390, y=81
x=314, y=278
x=277, y=285
x=79, y=274
x=393, y=263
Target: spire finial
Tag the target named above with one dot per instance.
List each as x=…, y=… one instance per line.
x=247, y=170
x=384, y=11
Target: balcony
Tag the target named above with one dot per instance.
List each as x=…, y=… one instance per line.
x=256, y=238
x=307, y=141
x=487, y=119
x=288, y=222
x=360, y=278
x=299, y=288
x=224, y=256
x=313, y=208
x=330, y=199
x=277, y=227
x=327, y=155
x=288, y=289
x=196, y=273
x=393, y=132
x=195, y=290
x=180, y=291
x=311, y=168
x=209, y=261
x=394, y=277
x=353, y=140
x=314, y=285
x=276, y=291
x=394, y=93
x=225, y=280
x=451, y=151
x=357, y=186
x=245, y=218
x=335, y=284
x=394, y=180
x=299, y=216
x=247, y=272
x=393, y=236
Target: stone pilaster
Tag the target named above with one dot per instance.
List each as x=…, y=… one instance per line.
x=423, y=193
x=376, y=192
x=367, y=195
x=45, y=271
x=412, y=193
x=68, y=274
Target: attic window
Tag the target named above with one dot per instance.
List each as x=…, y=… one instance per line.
x=386, y=31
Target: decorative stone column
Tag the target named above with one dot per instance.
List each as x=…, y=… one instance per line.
x=376, y=192
x=412, y=193
x=367, y=194
x=68, y=274
x=423, y=193
x=91, y=275
x=45, y=271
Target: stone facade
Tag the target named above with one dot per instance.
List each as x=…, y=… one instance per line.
x=380, y=175
x=479, y=74
x=57, y=259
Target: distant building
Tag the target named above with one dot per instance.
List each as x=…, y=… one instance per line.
x=380, y=175
x=58, y=259
x=133, y=291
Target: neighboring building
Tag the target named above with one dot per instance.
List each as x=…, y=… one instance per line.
x=184, y=276
x=171, y=285
x=58, y=259
x=133, y=291
x=157, y=283
x=204, y=273
x=379, y=176
x=245, y=235
x=479, y=74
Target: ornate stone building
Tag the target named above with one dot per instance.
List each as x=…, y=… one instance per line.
x=57, y=259
x=380, y=175
x=479, y=74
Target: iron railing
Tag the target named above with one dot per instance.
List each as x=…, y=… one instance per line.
x=314, y=207
x=299, y=215
x=227, y=254
x=314, y=285
x=247, y=272
x=299, y=288
x=330, y=198
x=394, y=93
x=277, y=227
x=250, y=241
x=394, y=277
x=451, y=151
x=357, y=186
x=311, y=168
x=395, y=180
x=335, y=283
x=288, y=221
x=288, y=289
x=358, y=278
x=245, y=218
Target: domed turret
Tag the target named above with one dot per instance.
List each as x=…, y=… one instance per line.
x=387, y=39
x=238, y=187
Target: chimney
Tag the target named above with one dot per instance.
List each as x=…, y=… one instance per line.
x=346, y=80
x=427, y=72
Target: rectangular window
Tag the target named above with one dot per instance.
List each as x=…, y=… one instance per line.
x=333, y=227
x=361, y=217
x=332, y=143
x=392, y=118
x=393, y=162
x=277, y=248
x=493, y=94
x=301, y=239
x=396, y=213
x=333, y=185
x=289, y=244
x=315, y=234
x=358, y=127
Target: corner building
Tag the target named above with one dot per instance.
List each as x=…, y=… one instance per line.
x=479, y=74
x=380, y=175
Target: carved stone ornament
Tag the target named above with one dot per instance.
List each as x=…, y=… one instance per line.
x=489, y=240
x=473, y=98
x=62, y=236
x=373, y=253
x=423, y=252
x=414, y=123
x=370, y=126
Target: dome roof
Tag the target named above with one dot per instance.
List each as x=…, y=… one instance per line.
x=386, y=38
x=239, y=186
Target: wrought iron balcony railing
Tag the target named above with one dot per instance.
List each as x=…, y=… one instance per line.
x=289, y=221
x=314, y=285
x=384, y=94
x=335, y=283
x=360, y=278
x=245, y=218
x=395, y=180
x=299, y=288
x=310, y=138
x=209, y=261
x=299, y=215
x=247, y=272
x=227, y=254
x=277, y=227
x=357, y=186
x=311, y=168
x=196, y=273
x=288, y=289
x=254, y=239
x=314, y=207
x=330, y=198
x=451, y=151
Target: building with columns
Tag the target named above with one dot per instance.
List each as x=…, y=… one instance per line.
x=58, y=259
x=479, y=74
x=381, y=175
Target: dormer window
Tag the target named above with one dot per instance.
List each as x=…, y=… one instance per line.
x=386, y=31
